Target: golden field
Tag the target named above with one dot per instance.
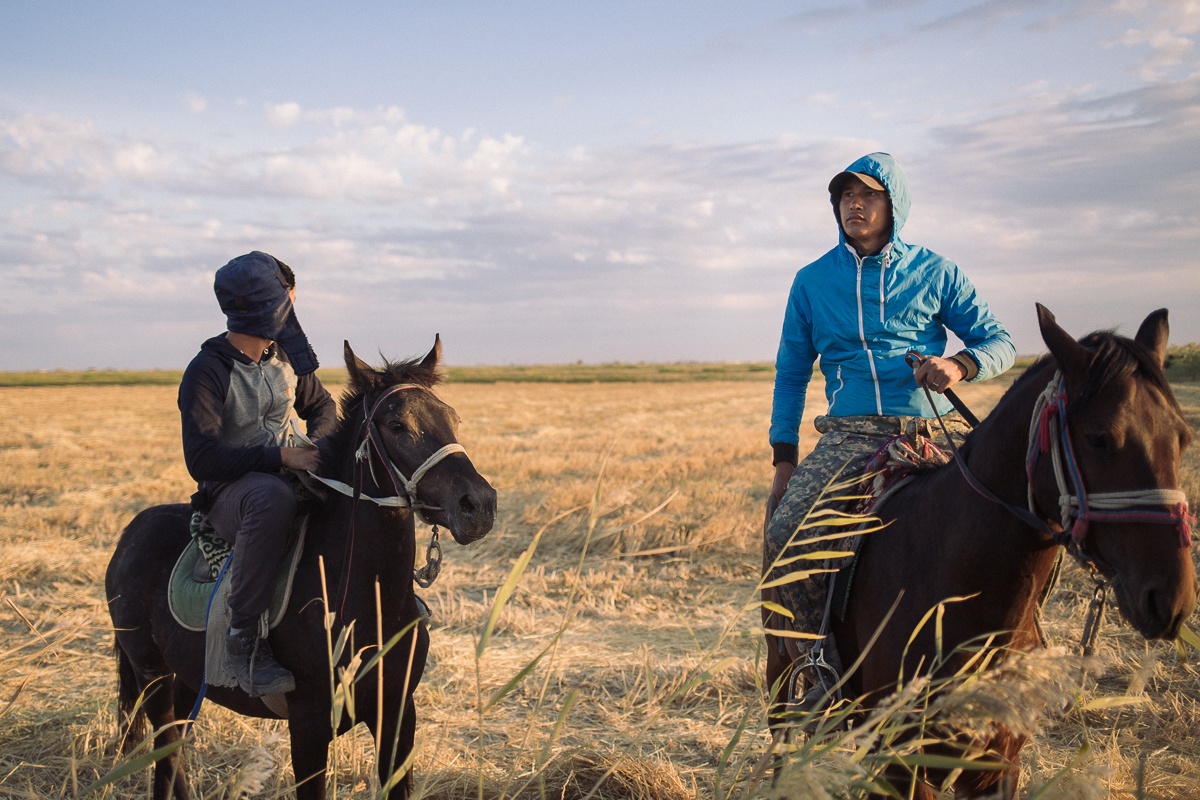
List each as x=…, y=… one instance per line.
x=653, y=689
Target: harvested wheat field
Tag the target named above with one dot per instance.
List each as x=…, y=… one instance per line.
x=639, y=598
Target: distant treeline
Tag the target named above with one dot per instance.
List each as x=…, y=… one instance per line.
x=1183, y=366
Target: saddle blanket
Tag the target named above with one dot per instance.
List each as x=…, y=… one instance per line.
x=203, y=606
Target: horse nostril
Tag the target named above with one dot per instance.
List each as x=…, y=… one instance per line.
x=467, y=504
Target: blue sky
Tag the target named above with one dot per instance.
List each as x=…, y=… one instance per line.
x=549, y=182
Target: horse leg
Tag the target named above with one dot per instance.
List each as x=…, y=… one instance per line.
x=169, y=778
x=310, y=734
x=397, y=737
x=995, y=785
x=152, y=685
x=400, y=729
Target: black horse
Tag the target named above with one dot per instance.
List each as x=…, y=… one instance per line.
x=393, y=419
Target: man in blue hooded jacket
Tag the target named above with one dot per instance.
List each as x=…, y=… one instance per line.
x=861, y=308
x=236, y=400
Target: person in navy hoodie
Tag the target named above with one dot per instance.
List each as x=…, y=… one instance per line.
x=236, y=399
x=860, y=308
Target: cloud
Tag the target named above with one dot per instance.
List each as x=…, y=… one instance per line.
x=659, y=249
x=195, y=102
x=1167, y=29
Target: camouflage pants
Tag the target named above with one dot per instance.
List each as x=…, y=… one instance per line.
x=820, y=484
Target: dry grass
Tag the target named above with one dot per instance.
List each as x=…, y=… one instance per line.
x=641, y=696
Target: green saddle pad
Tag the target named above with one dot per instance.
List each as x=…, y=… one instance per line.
x=189, y=598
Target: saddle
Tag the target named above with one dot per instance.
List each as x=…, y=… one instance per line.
x=193, y=592
x=893, y=466
x=191, y=586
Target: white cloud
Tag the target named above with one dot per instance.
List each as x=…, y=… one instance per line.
x=195, y=102
x=284, y=115
x=1167, y=28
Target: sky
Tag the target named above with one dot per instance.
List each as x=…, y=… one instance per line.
x=553, y=182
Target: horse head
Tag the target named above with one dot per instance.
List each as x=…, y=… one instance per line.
x=1114, y=479
x=410, y=434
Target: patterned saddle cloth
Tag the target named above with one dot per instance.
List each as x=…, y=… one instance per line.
x=893, y=465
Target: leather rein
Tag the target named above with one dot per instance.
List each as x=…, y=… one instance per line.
x=1049, y=433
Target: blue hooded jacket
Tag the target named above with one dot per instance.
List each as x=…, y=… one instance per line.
x=862, y=315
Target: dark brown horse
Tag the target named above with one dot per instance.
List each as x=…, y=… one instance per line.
x=1105, y=406
x=402, y=429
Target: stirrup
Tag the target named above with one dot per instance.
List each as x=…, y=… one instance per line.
x=824, y=689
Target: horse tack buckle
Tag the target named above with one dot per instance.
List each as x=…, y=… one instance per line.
x=426, y=575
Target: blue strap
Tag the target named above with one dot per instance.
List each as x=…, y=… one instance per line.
x=204, y=683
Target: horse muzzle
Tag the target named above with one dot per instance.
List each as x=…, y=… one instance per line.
x=1156, y=610
x=468, y=513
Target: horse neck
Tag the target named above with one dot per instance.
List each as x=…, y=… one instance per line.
x=996, y=546
x=361, y=541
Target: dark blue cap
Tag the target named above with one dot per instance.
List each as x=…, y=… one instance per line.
x=253, y=293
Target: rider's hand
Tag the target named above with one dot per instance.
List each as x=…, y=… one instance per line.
x=302, y=459
x=783, y=474
x=939, y=374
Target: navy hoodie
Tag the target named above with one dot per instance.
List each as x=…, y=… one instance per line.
x=236, y=413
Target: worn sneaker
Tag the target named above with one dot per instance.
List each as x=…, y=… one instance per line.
x=249, y=657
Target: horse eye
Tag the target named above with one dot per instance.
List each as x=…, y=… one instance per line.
x=397, y=427
x=1097, y=441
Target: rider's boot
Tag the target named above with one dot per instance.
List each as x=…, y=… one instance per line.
x=249, y=657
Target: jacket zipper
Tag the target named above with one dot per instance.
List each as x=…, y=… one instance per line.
x=862, y=332
x=833, y=397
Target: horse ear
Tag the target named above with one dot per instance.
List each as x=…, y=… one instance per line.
x=1153, y=334
x=435, y=355
x=360, y=371
x=1072, y=357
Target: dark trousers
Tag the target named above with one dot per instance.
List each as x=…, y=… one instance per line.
x=255, y=514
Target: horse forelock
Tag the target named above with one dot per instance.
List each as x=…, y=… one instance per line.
x=1117, y=357
x=370, y=385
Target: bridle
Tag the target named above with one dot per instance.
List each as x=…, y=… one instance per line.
x=1047, y=428
x=405, y=488
x=1048, y=432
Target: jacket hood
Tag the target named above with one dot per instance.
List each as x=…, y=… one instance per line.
x=887, y=170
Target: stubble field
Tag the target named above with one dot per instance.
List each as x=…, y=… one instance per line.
x=650, y=686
